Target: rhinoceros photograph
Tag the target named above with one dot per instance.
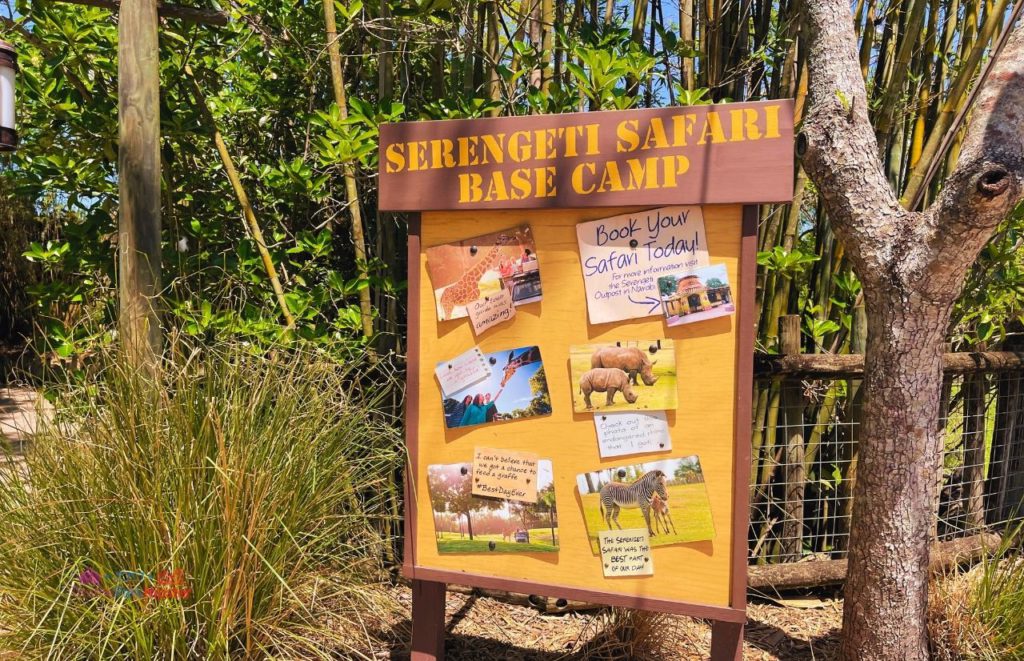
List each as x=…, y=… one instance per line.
x=628, y=375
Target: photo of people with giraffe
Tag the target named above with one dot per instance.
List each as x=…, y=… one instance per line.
x=466, y=523
x=627, y=375
x=476, y=267
x=668, y=498
x=516, y=389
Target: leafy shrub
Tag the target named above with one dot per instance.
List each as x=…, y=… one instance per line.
x=219, y=513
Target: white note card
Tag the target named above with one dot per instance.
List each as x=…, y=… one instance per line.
x=628, y=432
x=626, y=552
x=462, y=371
x=491, y=310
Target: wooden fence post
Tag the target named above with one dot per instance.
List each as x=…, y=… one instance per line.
x=974, y=390
x=138, y=172
x=1008, y=398
x=793, y=421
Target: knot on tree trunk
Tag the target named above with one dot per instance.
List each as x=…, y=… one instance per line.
x=993, y=182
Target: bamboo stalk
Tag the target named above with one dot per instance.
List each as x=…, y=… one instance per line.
x=351, y=188
x=243, y=199
x=944, y=121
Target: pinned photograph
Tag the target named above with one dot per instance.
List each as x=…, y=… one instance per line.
x=666, y=498
x=516, y=388
x=633, y=375
x=481, y=266
x=465, y=523
x=697, y=295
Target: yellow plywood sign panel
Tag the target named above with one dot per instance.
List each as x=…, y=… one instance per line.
x=701, y=426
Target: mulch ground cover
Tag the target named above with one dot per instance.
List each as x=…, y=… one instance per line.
x=481, y=628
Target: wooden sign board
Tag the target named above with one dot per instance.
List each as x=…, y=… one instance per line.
x=711, y=376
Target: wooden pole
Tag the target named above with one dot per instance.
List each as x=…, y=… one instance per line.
x=138, y=166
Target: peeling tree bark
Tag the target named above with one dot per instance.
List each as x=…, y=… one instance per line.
x=912, y=266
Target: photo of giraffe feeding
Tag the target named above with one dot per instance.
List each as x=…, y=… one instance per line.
x=517, y=388
x=480, y=266
x=667, y=497
x=467, y=523
x=627, y=375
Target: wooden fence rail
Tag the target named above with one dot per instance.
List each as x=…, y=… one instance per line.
x=804, y=449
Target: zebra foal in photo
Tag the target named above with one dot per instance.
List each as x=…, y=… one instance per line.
x=615, y=496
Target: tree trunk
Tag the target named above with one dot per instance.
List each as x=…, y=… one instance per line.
x=469, y=525
x=887, y=584
x=912, y=266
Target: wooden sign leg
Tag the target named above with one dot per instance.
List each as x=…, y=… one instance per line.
x=726, y=641
x=427, y=621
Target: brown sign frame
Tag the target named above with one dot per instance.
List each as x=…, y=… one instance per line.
x=429, y=583
x=426, y=166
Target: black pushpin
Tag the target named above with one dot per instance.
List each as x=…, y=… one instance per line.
x=561, y=603
x=449, y=365
x=465, y=471
x=633, y=243
x=473, y=250
x=622, y=473
x=493, y=361
x=492, y=545
x=653, y=348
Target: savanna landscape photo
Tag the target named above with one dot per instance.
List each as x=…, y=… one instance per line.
x=684, y=517
x=627, y=375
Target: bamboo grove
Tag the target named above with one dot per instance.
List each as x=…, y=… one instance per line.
x=269, y=152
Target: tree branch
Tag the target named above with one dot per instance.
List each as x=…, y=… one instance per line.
x=988, y=181
x=188, y=14
x=838, y=144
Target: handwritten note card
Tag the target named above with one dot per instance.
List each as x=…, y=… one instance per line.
x=631, y=433
x=626, y=552
x=462, y=371
x=623, y=256
x=491, y=310
x=505, y=474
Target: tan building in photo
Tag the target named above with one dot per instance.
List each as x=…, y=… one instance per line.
x=692, y=295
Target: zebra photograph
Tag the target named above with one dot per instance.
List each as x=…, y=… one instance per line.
x=648, y=495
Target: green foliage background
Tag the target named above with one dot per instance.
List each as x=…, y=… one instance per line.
x=267, y=80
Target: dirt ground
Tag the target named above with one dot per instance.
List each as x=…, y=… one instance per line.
x=481, y=628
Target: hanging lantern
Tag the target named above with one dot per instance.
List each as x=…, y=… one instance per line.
x=8, y=68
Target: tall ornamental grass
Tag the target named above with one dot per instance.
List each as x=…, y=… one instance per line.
x=979, y=613
x=236, y=507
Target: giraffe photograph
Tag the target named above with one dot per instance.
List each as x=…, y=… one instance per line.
x=667, y=497
x=479, y=266
x=467, y=523
x=696, y=295
x=627, y=375
x=516, y=389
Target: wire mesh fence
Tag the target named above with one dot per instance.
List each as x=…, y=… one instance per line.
x=804, y=461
